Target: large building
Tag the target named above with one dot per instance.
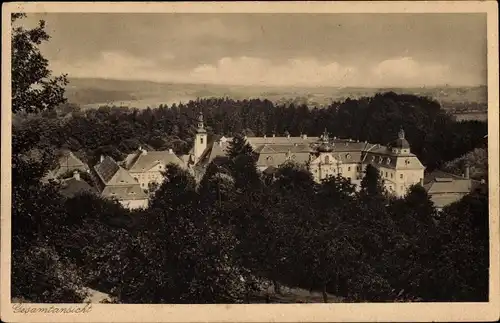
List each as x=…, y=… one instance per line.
x=114, y=182
x=445, y=188
x=67, y=163
x=324, y=156
x=147, y=166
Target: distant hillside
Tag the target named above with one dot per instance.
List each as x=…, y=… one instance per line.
x=141, y=94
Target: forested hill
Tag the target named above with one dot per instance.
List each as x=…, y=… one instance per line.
x=93, y=92
x=434, y=136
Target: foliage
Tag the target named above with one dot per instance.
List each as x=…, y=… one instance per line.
x=33, y=89
x=476, y=159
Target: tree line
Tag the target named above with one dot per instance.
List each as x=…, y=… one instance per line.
x=223, y=240
x=433, y=134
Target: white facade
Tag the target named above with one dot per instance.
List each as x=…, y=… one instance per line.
x=134, y=204
x=153, y=175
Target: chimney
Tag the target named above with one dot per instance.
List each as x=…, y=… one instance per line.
x=288, y=135
x=102, y=158
x=304, y=136
x=76, y=175
x=144, y=151
x=274, y=135
x=170, y=151
x=264, y=136
x=467, y=171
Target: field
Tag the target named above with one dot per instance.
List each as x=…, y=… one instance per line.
x=91, y=93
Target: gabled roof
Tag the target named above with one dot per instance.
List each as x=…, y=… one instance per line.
x=141, y=162
x=68, y=159
x=106, y=169
x=110, y=173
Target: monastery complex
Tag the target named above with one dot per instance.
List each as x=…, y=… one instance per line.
x=130, y=181
x=323, y=156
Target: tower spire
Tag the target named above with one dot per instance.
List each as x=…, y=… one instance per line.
x=201, y=126
x=401, y=134
x=325, y=135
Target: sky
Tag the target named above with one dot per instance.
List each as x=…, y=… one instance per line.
x=366, y=50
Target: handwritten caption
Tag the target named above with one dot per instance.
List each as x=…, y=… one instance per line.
x=52, y=309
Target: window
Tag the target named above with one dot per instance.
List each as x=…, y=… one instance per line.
x=401, y=176
x=385, y=174
x=327, y=159
x=348, y=169
x=201, y=140
x=388, y=161
x=391, y=175
x=340, y=170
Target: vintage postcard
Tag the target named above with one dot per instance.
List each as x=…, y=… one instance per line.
x=250, y=162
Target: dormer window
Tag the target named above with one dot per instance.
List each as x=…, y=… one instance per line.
x=348, y=156
x=388, y=161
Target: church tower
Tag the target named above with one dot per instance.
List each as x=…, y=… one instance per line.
x=200, y=142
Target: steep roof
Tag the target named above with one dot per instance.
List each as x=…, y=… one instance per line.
x=110, y=173
x=106, y=169
x=68, y=159
x=141, y=162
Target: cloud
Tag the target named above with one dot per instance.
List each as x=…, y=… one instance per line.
x=405, y=71
x=246, y=70
x=257, y=71
x=110, y=64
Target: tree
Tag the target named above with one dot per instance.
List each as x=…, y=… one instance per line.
x=33, y=88
x=239, y=146
x=463, y=259
x=372, y=184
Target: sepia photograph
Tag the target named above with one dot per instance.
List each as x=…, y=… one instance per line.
x=246, y=158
